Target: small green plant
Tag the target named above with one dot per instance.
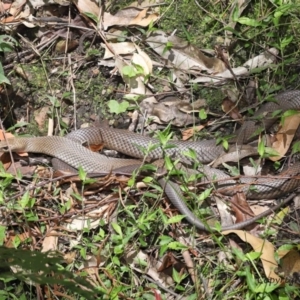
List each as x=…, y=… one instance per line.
x=7, y=44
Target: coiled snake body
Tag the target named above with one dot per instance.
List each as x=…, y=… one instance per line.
x=70, y=150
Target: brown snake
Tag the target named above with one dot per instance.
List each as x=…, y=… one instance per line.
x=70, y=150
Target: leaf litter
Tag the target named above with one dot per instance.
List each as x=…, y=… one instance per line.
x=187, y=65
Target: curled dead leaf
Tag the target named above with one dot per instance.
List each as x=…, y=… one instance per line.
x=264, y=247
x=290, y=261
x=188, y=133
x=285, y=135
x=240, y=207
x=183, y=55
x=231, y=109
x=129, y=16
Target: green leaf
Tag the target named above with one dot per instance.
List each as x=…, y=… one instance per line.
x=82, y=174
x=233, y=170
x=250, y=280
x=116, y=260
x=119, y=249
x=134, y=98
x=187, y=34
x=175, y=219
x=139, y=69
x=2, y=234
x=8, y=39
x=25, y=200
x=290, y=112
x=190, y=153
x=253, y=255
x=4, y=79
x=117, y=229
x=269, y=287
x=16, y=241
x=177, y=246
x=67, y=95
x=235, y=14
x=91, y=16
x=236, y=32
x=165, y=240
x=18, y=125
x=285, y=247
x=205, y=194
x=130, y=71
x=276, y=113
x=78, y=197
x=176, y=276
x=270, y=152
x=249, y=22
x=169, y=46
x=6, y=47
x=225, y=144
x=116, y=107
x=168, y=163
x=202, y=114
x=131, y=182
x=296, y=147
x=31, y=217
x=83, y=252
x=261, y=148
x=147, y=179
x=54, y=101
x=239, y=254
x=285, y=42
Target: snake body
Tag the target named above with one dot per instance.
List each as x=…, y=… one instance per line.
x=70, y=150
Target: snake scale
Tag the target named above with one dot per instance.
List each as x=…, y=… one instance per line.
x=70, y=150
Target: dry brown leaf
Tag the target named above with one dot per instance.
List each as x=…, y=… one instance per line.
x=258, y=209
x=90, y=220
x=5, y=158
x=285, y=135
x=241, y=208
x=231, y=109
x=22, y=73
x=8, y=20
x=63, y=45
x=183, y=55
x=4, y=7
x=142, y=19
x=50, y=242
x=224, y=213
x=188, y=133
x=262, y=246
x=290, y=261
x=132, y=17
x=22, y=237
x=40, y=116
x=16, y=7
x=138, y=59
x=136, y=83
x=260, y=60
x=87, y=6
x=146, y=3
x=167, y=112
x=118, y=49
x=69, y=257
x=168, y=261
x=235, y=155
x=145, y=59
